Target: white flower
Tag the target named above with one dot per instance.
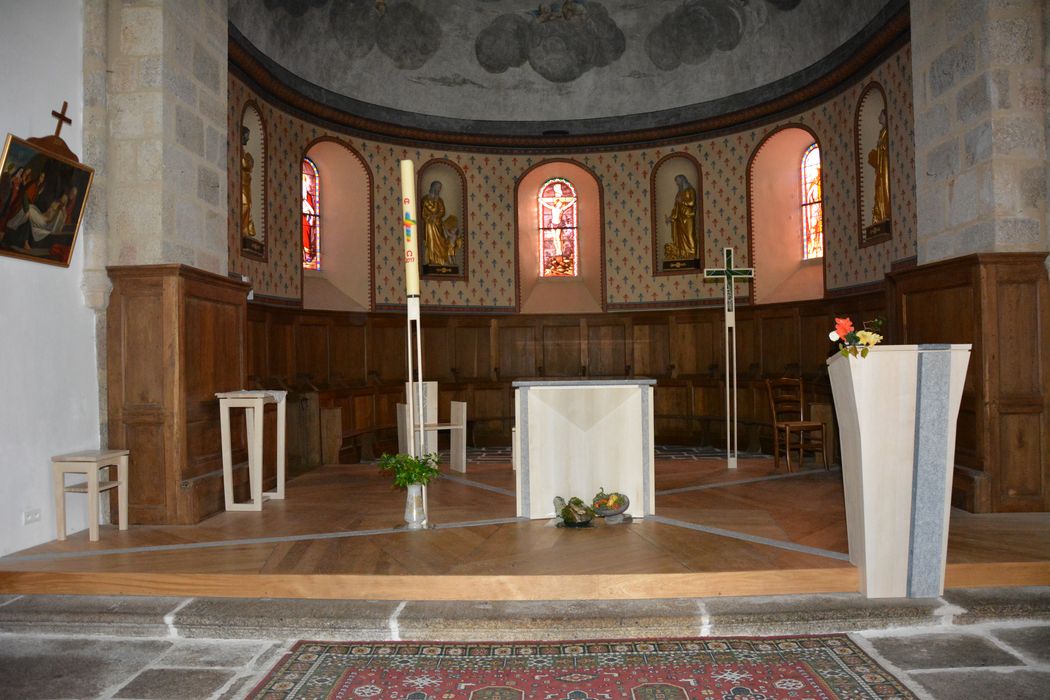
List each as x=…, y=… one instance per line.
x=833, y=336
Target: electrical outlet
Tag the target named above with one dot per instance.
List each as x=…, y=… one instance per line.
x=30, y=516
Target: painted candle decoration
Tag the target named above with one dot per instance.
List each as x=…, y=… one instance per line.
x=409, y=226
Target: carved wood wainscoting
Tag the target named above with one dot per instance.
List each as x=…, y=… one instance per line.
x=1000, y=302
x=356, y=362
x=175, y=336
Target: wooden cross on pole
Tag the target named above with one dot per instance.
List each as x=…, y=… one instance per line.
x=61, y=117
x=729, y=274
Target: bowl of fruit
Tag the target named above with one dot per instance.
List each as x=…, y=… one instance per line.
x=606, y=504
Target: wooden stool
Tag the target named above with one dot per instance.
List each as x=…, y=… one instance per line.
x=252, y=402
x=89, y=463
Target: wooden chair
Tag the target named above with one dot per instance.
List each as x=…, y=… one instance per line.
x=791, y=431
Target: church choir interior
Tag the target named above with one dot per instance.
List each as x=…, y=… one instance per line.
x=567, y=214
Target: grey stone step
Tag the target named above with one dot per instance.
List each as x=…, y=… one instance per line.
x=235, y=618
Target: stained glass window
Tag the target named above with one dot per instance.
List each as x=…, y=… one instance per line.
x=812, y=207
x=558, y=251
x=311, y=216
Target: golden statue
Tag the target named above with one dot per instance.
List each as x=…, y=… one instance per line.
x=683, y=223
x=439, y=232
x=247, y=164
x=879, y=158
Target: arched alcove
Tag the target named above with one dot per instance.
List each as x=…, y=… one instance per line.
x=872, y=149
x=344, y=282
x=453, y=195
x=667, y=199
x=775, y=219
x=252, y=184
x=585, y=292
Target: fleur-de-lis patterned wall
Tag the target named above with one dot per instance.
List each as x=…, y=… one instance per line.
x=625, y=175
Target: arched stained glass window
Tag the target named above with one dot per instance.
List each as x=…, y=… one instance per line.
x=557, y=210
x=311, y=214
x=812, y=205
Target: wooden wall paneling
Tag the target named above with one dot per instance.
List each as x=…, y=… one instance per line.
x=386, y=349
x=472, y=350
x=607, y=349
x=779, y=341
x=517, y=349
x=437, y=349
x=650, y=347
x=313, y=350
x=257, y=353
x=672, y=412
x=561, y=348
x=176, y=336
x=999, y=302
x=696, y=343
x=348, y=356
x=747, y=341
x=490, y=414
x=281, y=350
x=814, y=346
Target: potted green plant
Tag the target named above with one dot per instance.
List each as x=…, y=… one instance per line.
x=412, y=474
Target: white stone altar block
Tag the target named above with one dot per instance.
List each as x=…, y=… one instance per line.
x=576, y=437
x=897, y=410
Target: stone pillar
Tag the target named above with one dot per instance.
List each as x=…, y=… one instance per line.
x=981, y=126
x=166, y=161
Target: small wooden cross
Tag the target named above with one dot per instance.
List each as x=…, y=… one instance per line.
x=61, y=117
x=729, y=274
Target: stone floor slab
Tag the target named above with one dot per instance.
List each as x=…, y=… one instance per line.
x=942, y=650
x=132, y=616
x=1022, y=684
x=175, y=684
x=212, y=654
x=70, y=668
x=984, y=604
x=1033, y=642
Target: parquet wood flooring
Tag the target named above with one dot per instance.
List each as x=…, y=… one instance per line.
x=334, y=536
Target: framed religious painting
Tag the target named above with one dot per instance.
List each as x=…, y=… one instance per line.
x=42, y=197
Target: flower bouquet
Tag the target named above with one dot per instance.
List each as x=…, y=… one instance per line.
x=854, y=342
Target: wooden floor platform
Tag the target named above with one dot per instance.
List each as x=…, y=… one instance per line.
x=749, y=532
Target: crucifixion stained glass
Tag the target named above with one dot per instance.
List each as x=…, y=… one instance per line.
x=558, y=232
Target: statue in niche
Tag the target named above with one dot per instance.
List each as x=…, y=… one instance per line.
x=247, y=164
x=879, y=158
x=439, y=233
x=681, y=252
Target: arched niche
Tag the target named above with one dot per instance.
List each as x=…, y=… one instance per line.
x=252, y=184
x=775, y=219
x=584, y=293
x=665, y=198
x=344, y=282
x=453, y=195
x=872, y=151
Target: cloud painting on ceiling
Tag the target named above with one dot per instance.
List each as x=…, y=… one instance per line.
x=514, y=60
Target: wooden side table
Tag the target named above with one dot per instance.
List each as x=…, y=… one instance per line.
x=89, y=463
x=252, y=402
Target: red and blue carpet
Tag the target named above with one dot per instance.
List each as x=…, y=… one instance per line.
x=819, y=667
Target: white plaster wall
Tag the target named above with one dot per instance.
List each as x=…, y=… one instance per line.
x=48, y=379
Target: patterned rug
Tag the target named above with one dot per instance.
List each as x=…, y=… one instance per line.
x=819, y=667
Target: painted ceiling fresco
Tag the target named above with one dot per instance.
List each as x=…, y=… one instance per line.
x=510, y=60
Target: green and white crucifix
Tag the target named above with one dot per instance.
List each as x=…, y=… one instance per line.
x=729, y=275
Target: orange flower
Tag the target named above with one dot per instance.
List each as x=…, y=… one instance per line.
x=843, y=326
